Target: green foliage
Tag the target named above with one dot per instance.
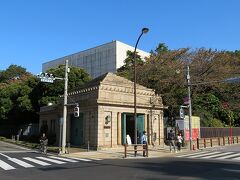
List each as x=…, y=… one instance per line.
x=22, y=97
x=127, y=69
x=51, y=92
x=165, y=72
x=13, y=72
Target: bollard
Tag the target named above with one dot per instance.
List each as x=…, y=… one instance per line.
x=88, y=147
x=135, y=150
x=68, y=148
x=125, y=150
x=197, y=143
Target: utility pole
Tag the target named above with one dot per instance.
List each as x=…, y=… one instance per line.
x=64, y=124
x=189, y=106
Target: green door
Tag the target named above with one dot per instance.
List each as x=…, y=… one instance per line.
x=76, y=130
x=140, y=126
x=123, y=128
x=128, y=126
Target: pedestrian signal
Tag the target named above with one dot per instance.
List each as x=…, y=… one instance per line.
x=181, y=113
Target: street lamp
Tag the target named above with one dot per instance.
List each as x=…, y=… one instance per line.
x=144, y=31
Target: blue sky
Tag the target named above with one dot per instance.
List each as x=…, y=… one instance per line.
x=36, y=31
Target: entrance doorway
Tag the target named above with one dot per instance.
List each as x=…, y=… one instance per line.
x=128, y=127
x=76, y=130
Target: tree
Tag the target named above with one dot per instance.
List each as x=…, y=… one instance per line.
x=22, y=97
x=127, y=70
x=165, y=72
x=51, y=92
x=13, y=72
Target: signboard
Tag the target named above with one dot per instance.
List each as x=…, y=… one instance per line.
x=129, y=141
x=183, y=125
x=48, y=80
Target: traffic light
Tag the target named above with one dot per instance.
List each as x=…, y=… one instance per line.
x=46, y=77
x=76, y=111
x=181, y=113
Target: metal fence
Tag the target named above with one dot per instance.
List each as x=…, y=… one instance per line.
x=209, y=132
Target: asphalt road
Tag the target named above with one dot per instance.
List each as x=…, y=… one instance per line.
x=120, y=169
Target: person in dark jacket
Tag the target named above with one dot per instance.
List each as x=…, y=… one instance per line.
x=171, y=139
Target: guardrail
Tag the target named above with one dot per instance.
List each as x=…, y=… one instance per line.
x=136, y=148
x=216, y=141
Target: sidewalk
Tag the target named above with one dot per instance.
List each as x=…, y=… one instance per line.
x=119, y=153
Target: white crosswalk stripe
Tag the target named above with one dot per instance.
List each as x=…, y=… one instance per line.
x=5, y=166
x=217, y=155
x=229, y=156
x=185, y=155
x=37, y=161
x=20, y=162
x=63, y=159
x=81, y=159
x=51, y=160
x=204, y=155
x=30, y=162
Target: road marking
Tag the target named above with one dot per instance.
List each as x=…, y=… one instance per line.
x=233, y=170
x=27, y=151
x=216, y=155
x=37, y=161
x=229, y=156
x=21, y=163
x=185, y=155
x=5, y=166
x=63, y=159
x=202, y=155
x=51, y=160
x=81, y=159
x=237, y=158
x=96, y=159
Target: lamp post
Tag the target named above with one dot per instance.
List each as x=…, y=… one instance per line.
x=144, y=31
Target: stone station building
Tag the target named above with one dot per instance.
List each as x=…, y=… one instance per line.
x=107, y=114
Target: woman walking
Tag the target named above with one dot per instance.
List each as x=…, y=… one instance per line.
x=179, y=141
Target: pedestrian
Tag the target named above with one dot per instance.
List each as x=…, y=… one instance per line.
x=144, y=142
x=43, y=143
x=179, y=141
x=171, y=139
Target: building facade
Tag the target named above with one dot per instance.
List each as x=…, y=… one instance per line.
x=107, y=114
x=98, y=60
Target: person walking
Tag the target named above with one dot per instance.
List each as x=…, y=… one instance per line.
x=144, y=142
x=171, y=139
x=43, y=143
x=179, y=141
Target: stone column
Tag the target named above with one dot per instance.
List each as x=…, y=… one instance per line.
x=119, y=129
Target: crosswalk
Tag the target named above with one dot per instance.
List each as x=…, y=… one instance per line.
x=216, y=155
x=31, y=162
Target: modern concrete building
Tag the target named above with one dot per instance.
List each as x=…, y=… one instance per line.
x=107, y=114
x=98, y=60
